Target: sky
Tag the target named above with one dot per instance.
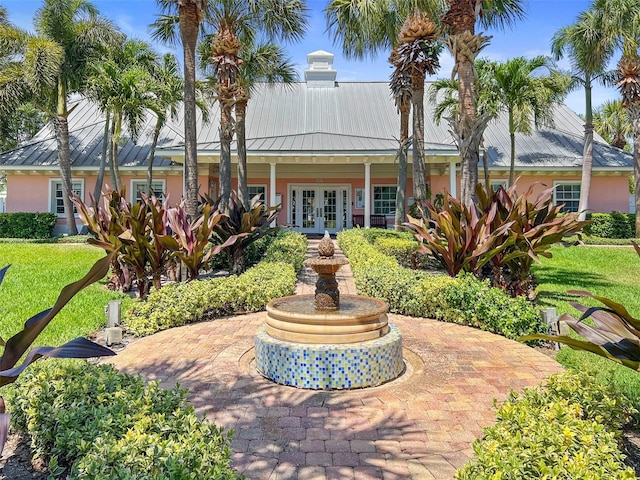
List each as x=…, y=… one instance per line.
x=530, y=37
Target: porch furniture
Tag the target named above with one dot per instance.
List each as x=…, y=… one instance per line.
x=376, y=221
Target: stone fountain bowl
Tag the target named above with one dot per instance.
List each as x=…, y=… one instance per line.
x=295, y=319
x=326, y=265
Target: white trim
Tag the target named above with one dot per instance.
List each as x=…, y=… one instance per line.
x=556, y=183
x=367, y=195
x=50, y=201
x=133, y=181
x=320, y=186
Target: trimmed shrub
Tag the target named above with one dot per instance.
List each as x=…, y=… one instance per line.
x=462, y=299
x=567, y=429
x=27, y=225
x=100, y=423
x=182, y=303
x=612, y=225
x=403, y=250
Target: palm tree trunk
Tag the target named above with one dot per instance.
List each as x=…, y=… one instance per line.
x=587, y=153
x=61, y=125
x=115, y=139
x=243, y=189
x=417, y=102
x=97, y=190
x=634, y=116
x=226, y=136
x=189, y=21
x=401, y=191
x=512, y=139
x=152, y=153
x=469, y=146
x=112, y=170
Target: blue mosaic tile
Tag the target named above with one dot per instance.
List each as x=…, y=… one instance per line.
x=330, y=366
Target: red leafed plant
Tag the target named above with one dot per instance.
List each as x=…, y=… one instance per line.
x=17, y=345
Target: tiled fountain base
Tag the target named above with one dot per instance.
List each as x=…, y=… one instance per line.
x=330, y=366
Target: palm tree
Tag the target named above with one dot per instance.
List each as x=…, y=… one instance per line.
x=366, y=28
x=589, y=50
x=82, y=35
x=266, y=63
x=400, y=86
x=187, y=15
x=416, y=53
x=523, y=93
x=236, y=22
x=620, y=26
x=53, y=64
x=122, y=86
x=464, y=44
x=167, y=94
x=611, y=121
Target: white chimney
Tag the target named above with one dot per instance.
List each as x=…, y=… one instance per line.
x=320, y=72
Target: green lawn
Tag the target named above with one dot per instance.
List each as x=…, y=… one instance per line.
x=612, y=272
x=38, y=272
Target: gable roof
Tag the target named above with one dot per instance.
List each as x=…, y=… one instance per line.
x=351, y=118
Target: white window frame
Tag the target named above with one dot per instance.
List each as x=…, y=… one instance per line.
x=495, y=184
x=373, y=199
x=556, y=184
x=265, y=200
x=52, y=189
x=137, y=181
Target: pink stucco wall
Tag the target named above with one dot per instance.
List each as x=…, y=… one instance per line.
x=31, y=193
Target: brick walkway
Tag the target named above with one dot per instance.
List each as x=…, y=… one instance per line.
x=420, y=426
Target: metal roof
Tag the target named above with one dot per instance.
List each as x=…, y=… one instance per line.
x=350, y=118
x=86, y=130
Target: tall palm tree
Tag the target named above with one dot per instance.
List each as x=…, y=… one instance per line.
x=187, y=15
x=237, y=22
x=611, y=121
x=464, y=44
x=266, y=63
x=620, y=25
x=83, y=36
x=167, y=94
x=122, y=86
x=366, y=28
x=51, y=65
x=589, y=50
x=400, y=86
x=417, y=52
x=525, y=94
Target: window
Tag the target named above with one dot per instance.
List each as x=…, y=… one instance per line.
x=57, y=199
x=384, y=200
x=140, y=186
x=495, y=184
x=258, y=189
x=567, y=193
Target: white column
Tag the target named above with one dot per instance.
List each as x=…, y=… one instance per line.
x=367, y=195
x=272, y=188
x=184, y=178
x=452, y=179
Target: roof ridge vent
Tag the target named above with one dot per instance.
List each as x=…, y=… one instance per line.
x=320, y=72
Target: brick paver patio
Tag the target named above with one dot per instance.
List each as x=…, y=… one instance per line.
x=420, y=426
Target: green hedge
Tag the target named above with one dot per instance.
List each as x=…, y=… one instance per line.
x=463, y=299
x=95, y=422
x=568, y=429
x=182, y=303
x=612, y=225
x=27, y=225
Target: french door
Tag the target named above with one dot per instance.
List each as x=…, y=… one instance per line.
x=314, y=209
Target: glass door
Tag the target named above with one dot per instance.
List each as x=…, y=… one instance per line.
x=316, y=209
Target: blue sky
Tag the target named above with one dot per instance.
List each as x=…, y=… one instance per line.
x=530, y=37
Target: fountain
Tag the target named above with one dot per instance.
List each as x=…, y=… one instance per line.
x=328, y=341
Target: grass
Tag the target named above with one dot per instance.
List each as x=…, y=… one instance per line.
x=38, y=272
x=612, y=272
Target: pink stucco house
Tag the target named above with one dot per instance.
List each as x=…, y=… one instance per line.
x=325, y=151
